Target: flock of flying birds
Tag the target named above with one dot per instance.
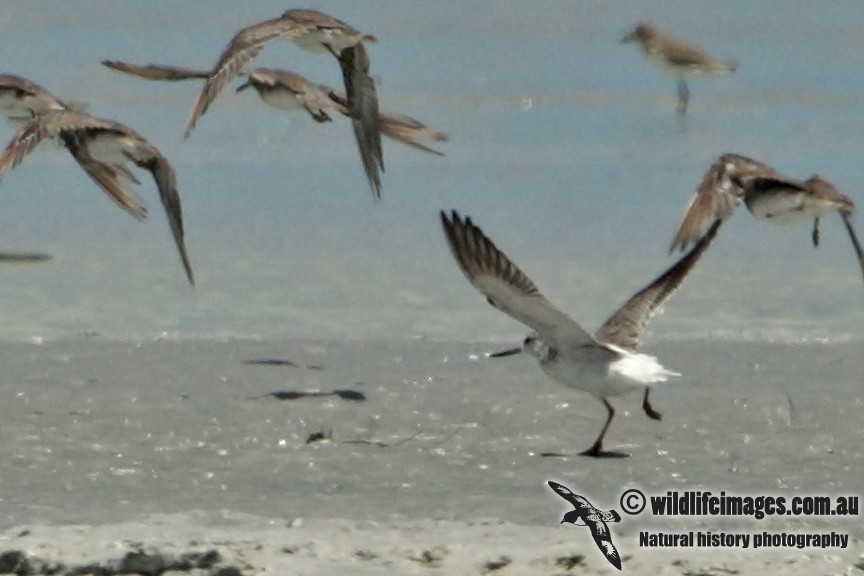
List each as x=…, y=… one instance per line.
x=604, y=364
x=104, y=148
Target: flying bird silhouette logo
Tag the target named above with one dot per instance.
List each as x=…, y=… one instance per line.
x=585, y=514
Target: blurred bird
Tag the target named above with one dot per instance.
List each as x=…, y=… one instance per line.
x=676, y=57
x=102, y=148
x=768, y=195
x=290, y=91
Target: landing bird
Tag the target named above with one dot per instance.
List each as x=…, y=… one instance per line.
x=102, y=148
x=585, y=514
x=676, y=57
x=290, y=91
x=768, y=195
x=602, y=365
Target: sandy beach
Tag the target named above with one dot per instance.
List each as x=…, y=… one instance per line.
x=427, y=456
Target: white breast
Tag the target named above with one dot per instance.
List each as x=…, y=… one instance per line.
x=282, y=99
x=788, y=207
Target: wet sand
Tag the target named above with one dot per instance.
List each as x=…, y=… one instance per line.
x=424, y=446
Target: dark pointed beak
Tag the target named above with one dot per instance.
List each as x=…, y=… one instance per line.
x=244, y=86
x=503, y=353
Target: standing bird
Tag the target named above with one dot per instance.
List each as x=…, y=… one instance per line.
x=768, y=195
x=676, y=57
x=585, y=514
x=102, y=148
x=290, y=91
x=606, y=364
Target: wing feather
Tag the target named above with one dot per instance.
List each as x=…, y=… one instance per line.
x=362, y=101
x=625, y=326
x=245, y=45
x=157, y=71
x=506, y=286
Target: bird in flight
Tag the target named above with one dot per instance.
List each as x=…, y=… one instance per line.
x=102, y=148
x=316, y=32
x=603, y=365
x=768, y=195
x=585, y=514
x=290, y=91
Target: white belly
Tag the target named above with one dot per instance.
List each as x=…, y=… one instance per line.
x=596, y=375
x=785, y=208
x=282, y=99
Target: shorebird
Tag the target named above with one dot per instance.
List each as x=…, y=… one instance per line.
x=290, y=91
x=102, y=148
x=604, y=365
x=676, y=57
x=768, y=195
x=316, y=32
x=287, y=90
x=585, y=514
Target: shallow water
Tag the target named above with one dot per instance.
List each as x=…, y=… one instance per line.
x=97, y=431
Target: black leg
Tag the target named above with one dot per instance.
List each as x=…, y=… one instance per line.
x=816, y=232
x=683, y=96
x=596, y=450
x=646, y=406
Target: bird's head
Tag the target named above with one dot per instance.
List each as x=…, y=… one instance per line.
x=573, y=517
x=640, y=33
x=532, y=344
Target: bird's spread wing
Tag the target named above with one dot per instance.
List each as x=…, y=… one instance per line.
x=716, y=197
x=166, y=182
x=601, y=535
x=245, y=45
x=410, y=132
x=506, y=287
x=579, y=502
x=46, y=126
x=625, y=326
x=362, y=100
x=110, y=181
x=66, y=125
x=157, y=71
x=847, y=221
